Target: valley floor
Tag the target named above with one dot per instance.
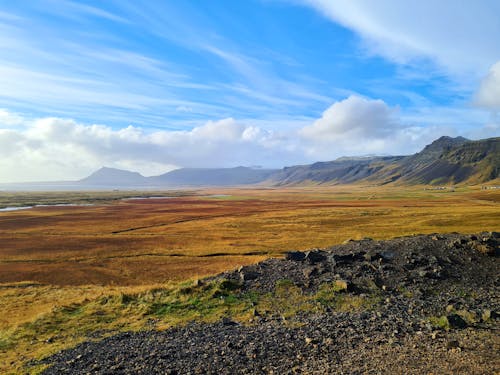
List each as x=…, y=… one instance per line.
x=68, y=271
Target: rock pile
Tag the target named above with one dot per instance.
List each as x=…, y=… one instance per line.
x=436, y=311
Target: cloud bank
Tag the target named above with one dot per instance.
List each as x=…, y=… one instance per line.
x=54, y=148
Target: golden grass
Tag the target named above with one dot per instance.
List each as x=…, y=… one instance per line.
x=144, y=242
x=159, y=308
x=52, y=258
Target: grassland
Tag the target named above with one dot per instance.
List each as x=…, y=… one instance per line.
x=68, y=271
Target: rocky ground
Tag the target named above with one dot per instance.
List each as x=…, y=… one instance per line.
x=420, y=305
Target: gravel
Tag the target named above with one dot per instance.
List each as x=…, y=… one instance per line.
x=453, y=277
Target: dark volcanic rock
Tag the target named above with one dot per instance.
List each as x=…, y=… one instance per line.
x=413, y=281
x=248, y=275
x=456, y=321
x=295, y=256
x=315, y=256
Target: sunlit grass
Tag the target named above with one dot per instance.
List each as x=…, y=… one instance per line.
x=69, y=271
x=159, y=308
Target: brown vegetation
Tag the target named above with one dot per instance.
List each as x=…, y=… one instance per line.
x=55, y=257
x=143, y=242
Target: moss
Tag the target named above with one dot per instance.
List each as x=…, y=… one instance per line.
x=440, y=322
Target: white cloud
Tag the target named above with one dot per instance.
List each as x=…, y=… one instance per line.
x=361, y=126
x=488, y=95
x=56, y=148
x=10, y=119
x=353, y=117
x=461, y=37
x=60, y=149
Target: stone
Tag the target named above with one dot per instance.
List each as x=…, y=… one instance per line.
x=452, y=344
x=295, y=256
x=228, y=322
x=315, y=256
x=347, y=259
x=387, y=256
x=456, y=321
x=248, y=275
x=310, y=272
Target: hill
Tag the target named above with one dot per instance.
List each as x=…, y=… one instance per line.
x=420, y=304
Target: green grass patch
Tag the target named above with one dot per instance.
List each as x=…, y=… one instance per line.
x=160, y=308
x=440, y=322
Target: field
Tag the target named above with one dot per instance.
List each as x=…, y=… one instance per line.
x=58, y=260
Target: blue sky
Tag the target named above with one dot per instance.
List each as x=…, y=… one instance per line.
x=156, y=85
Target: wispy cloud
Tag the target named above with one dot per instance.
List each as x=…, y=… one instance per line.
x=70, y=9
x=109, y=71
x=461, y=38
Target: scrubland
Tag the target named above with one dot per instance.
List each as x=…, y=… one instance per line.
x=69, y=271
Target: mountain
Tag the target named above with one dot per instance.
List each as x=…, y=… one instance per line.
x=453, y=160
x=114, y=177
x=183, y=177
x=340, y=171
x=445, y=161
x=213, y=176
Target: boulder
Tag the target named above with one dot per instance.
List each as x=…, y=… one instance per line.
x=315, y=256
x=296, y=256
x=456, y=321
x=248, y=275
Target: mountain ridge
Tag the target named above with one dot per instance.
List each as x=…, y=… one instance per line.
x=446, y=160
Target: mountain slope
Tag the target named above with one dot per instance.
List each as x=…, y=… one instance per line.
x=453, y=160
x=341, y=171
x=445, y=161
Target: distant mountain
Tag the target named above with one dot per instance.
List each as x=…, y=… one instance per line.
x=213, y=176
x=445, y=161
x=114, y=177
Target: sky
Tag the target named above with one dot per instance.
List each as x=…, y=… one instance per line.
x=157, y=85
